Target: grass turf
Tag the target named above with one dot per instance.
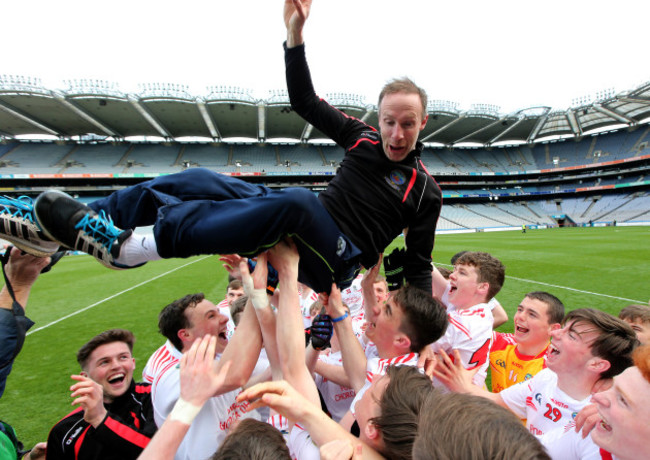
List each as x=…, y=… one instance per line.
x=605, y=268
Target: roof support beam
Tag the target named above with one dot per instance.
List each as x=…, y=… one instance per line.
x=574, y=122
x=495, y=122
x=207, y=119
x=261, y=122
x=77, y=110
x=505, y=131
x=538, y=126
x=17, y=113
x=306, y=133
x=614, y=114
x=150, y=118
x=442, y=128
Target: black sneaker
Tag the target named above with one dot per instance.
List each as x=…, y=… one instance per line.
x=18, y=225
x=73, y=224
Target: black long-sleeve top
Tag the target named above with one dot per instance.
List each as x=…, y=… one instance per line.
x=371, y=198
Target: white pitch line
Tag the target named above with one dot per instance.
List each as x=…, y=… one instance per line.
x=576, y=290
x=568, y=288
x=112, y=297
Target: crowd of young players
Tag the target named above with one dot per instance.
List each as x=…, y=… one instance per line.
x=356, y=389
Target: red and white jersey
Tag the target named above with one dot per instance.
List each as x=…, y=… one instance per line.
x=224, y=309
x=376, y=367
x=469, y=332
x=210, y=426
x=307, y=298
x=567, y=444
x=301, y=446
x=353, y=296
x=544, y=406
x=337, y=398
x=159, y=360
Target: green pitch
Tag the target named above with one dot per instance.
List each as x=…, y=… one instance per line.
x=605, y=268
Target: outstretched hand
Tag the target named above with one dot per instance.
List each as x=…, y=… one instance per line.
x=89, y=395
x=332, y=302
x=231, y=263
x=278, y=395
x=452, y=373
x=296, y=13
x=198, y=375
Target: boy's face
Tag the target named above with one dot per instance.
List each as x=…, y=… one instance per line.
x=386, y=326
x=111, y=365
x=532, y=326
x=205, y=318
x=381, y=291
x=570, y=348
x=466, y=291
x=234, y=294
x=641, y=329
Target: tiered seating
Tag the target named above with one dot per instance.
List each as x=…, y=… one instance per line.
x=31, y=158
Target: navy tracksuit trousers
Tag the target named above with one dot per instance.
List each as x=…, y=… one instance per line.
x=199, y=211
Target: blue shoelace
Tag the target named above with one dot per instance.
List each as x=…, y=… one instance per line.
x=100, y=228
x=23, y=207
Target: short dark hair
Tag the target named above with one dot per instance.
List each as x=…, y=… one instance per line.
x=488, y=268
x=172, y=318
x=407, y=86
x=424, y=317
x=400, y=406
x=615, y=342
x=110, y=336
x=455, y=257
x=237, y=308
x=496, y=433
x=235, y=284
x=253, y=440
x=635, y=313
x=554, y=306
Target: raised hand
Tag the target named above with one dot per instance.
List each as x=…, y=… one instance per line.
x=90, y=396
x=296, y=13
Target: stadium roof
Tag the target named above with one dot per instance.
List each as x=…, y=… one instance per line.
x=99, y=108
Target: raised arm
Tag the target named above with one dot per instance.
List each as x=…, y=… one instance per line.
x=296, y=13
x=354, y=359
x=290, y=333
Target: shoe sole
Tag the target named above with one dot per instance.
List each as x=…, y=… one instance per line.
x=24, y=246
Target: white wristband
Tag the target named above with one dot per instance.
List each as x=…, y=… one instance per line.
x=259, y=298
x=184, y=411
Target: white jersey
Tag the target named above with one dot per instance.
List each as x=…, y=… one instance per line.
x=210, y=426
x=469, y=332
x=337, y=398
x=159, y=360
x=376, y=367
x=563, y=444
x=353, y=296
x=545, y=407
x=307, y=298
x=301, y=446
x=224, y=309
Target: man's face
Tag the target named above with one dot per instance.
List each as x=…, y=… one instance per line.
x=381, y=291
x=204, y=319
x=368, y=407
x=111, y=365
x=624, y=428
x=385, y=327
x=234, y=294
x=464, y=286
x=531, y=323
x=400, y=123
x=641, y=329
x=570, y=348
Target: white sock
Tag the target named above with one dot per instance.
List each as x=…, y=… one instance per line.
x=138, y=249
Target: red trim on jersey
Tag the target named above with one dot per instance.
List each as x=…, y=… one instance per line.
x=127, y=433
x=605, y=455
x=410, y=186
x=80, y=441
x=460, y=327
x=362, y=140
x=166, y=368
x=141, y=389
x=73, y=412
x=530, y=403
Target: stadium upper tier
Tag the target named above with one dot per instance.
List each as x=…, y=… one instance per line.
x=168, y=111
x=22, y=157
